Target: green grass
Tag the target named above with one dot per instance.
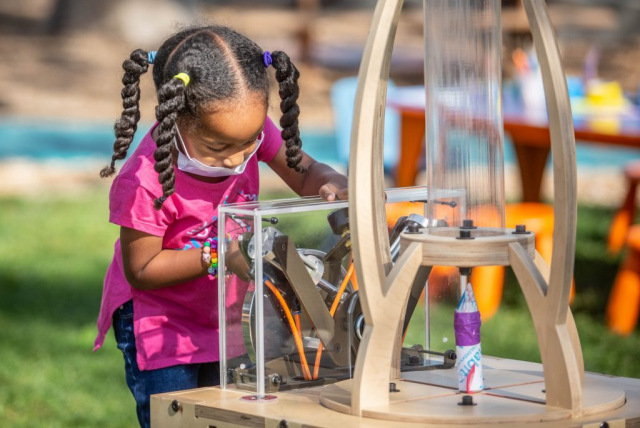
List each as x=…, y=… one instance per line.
x=53, y=255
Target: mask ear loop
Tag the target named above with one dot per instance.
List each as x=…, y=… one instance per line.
x=258, y=143
x=184, y=146
x=261, y=138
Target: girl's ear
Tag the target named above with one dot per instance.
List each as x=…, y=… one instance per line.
x=287, y=76
x=125, y=127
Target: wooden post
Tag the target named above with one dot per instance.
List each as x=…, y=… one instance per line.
x=564, y=386
x=372, y=255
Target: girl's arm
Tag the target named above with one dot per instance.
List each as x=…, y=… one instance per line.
x=148, y=267
x=319, y=179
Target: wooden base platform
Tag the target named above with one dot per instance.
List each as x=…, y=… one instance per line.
x=510, y=396
x=514, y=396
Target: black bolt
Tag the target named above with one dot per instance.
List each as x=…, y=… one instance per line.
x=544, y=391
x=283, y=247
x=521, y=229
x=176, y=406
x=467, y=224
x=467, y=400
x=604, y=424
x=465, y=234
x=276, y=379
x=413, y=228
x=450, y=354
x=414, y=359
x=283, y=424
x=337, y=348
x=392, y=387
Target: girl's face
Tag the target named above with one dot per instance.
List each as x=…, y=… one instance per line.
x=226, y=136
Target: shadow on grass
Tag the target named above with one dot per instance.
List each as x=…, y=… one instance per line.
x=62, y=300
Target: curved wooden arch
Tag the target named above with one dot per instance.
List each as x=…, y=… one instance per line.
x=372, y=256
x=558, y=339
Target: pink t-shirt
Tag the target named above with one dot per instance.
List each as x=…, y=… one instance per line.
x=177, y=324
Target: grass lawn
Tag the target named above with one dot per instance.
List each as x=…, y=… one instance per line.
x=53, y=255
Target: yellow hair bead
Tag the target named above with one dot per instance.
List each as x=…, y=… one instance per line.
x=184, y=77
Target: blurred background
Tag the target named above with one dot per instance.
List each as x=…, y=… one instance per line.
x=60, y=82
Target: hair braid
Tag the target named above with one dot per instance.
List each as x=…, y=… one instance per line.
x=171, y=100
x=287, y=76
x=125, y=127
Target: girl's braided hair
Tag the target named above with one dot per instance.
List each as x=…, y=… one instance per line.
x=220, y=63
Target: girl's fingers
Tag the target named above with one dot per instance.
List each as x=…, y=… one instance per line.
x=327, y=193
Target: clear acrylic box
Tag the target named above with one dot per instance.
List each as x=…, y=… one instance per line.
x=300, y=326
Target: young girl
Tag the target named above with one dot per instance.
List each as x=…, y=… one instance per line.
x=212, y=129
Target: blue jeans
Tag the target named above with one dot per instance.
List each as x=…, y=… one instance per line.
x=145, y=383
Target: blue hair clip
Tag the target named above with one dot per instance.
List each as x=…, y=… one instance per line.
x=151, y=56
x=266, y=58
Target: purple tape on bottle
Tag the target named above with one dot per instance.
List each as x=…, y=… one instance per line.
x=467, y=328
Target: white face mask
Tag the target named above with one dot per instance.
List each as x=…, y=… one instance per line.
x=188, y=164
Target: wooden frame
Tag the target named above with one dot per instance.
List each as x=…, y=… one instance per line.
x=385, y=290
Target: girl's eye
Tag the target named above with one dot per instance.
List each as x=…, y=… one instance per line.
x=248, y=143
x=211, y=149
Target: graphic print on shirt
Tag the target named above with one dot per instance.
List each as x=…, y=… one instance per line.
x=248, y=197
x=209, y=229
x=204, y=233
x=242, y=197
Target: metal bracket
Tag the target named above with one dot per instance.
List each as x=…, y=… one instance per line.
x=296, y=272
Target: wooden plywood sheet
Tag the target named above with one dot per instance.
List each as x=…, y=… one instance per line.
x=301, y=408
x=493, y=378
x=488, y=409
x=598, y=395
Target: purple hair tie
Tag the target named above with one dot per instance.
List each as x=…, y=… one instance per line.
x=266, y=57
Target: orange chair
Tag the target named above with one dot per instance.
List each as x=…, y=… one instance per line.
x=488, y=281
x=623, y=219
x=624, y=301
x=623, y=305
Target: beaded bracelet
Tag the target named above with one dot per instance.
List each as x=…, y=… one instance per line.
x=210, y=256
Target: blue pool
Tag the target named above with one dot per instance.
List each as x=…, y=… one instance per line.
x=77, y=141
x=44, y=141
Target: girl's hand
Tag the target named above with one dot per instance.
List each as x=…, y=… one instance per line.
x=333, y=191
x=236, y=263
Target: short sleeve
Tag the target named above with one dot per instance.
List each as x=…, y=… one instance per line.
x=131, y=205
x=272, y=142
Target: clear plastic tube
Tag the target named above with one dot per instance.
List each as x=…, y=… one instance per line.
x=464, y=113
